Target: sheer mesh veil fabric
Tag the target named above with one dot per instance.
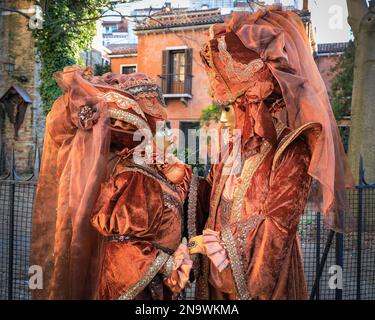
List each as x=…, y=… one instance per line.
x=75, y=161
x=73, y=167
x=279, y=40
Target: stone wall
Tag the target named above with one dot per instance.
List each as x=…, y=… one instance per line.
x=18, y=47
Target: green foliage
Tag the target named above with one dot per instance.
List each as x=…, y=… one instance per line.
x=341, y=89
x=342, y=83
x=211, y=113
x=190, y=154
x=68, y=28
x=100, y=69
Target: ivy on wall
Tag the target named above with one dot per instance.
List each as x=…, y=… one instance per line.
x=342, y=83
x=211, y=113
x=68, y=28
x=341, y=89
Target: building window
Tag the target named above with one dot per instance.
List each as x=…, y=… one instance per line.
x=177, y=71
x=128, y=68
x=189, y=142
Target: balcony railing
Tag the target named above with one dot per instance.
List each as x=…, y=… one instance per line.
x=172, y=84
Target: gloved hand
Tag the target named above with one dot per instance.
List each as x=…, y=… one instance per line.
x=180, y=270
x=196, y=245
x=210, y=244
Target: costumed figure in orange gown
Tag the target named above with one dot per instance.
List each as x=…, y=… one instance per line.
x=106, y=226
x=263, y=76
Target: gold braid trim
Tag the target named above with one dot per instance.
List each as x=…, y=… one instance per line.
x=132, y=119
x=315, y=127
x=123, y=102
x=201, y=286
x=136, y=289
x=192, y=206
x=236, y=264
x=192, y=214
x=243, y=72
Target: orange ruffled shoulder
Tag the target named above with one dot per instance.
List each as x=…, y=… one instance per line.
x=130, y=203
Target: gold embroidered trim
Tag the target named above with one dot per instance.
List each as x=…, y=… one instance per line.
x=171, y=201
x=250, y=166
x=236, y=264
x=123, y=102
x=136, y=289
x=132, y=119
x=216, y=73
x=167, y=268
x=290, y=137
x=211, y=32
x=241, y=71
x=201, y=286
x=192, y=206
x=244, y=227
x=192, y=213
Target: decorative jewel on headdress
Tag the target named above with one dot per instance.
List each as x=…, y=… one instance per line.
x=88, y=116
x=243, y=72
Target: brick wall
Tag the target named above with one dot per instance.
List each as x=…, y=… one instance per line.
x=18, y=47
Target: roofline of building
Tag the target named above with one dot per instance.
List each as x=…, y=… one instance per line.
x=123, y=55
x=327, y=54
x=161, y=29
x=180, y=11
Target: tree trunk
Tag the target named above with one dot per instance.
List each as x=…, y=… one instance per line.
x=362, y=131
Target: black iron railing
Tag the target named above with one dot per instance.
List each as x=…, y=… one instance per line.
x=321, y=247
x=176, y=83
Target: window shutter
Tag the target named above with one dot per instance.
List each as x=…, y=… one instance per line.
x=188, y=70
x=165, y=71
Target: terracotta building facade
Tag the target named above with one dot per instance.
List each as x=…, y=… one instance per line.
x=168, y=50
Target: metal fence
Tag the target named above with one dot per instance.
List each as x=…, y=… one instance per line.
x=321, y=248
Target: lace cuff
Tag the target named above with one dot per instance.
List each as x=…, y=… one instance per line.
x=215, y=249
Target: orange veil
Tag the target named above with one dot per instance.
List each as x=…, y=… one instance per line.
x=75, y=157
x=280, y=40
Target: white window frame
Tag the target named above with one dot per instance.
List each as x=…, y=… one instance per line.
x=128, y=65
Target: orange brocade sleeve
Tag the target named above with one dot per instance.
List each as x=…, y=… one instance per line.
x=268, y=272
x=131, y=204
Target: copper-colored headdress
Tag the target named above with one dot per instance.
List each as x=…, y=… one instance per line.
x=239, y=76
x=278, y=38
x=231, y=67
x=140, y=87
